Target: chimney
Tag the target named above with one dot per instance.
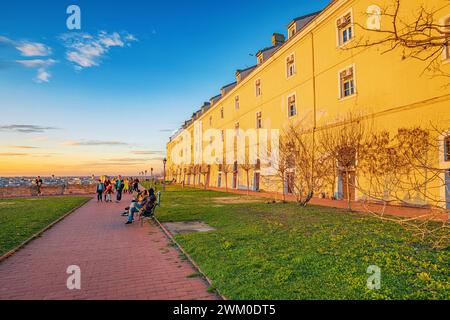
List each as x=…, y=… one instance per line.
x=277, y=39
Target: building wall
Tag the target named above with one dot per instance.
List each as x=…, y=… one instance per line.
x=391, y=92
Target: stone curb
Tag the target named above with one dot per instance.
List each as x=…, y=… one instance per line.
x=38, y=234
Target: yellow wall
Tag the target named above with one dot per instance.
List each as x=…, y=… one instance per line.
x=393, y=91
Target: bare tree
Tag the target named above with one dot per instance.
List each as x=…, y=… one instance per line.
x=341, y=145
x=300, y=166
x=226, y=169
x=195, y=171
x=422, y=37
x=404, y=169
x=204, y=170
x=247, y=167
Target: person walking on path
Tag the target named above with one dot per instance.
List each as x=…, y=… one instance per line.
x=39, y=183
x=136, y=185
x=125, y=185
x=107, y=184
x=100, y=190
x=108, y=193
x=119, y=188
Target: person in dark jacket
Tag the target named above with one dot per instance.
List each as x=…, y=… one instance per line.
x=100, y=190
x=119, y=188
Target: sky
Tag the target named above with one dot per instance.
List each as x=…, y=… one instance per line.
x=106, y=98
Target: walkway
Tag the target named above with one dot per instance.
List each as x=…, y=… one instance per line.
x=116, y=261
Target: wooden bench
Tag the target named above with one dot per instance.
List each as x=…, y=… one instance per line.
x=150, y=215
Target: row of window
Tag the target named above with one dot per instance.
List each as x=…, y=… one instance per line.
x=347, y=88
x=346, y=77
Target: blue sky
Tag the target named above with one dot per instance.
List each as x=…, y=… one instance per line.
x=155, y=63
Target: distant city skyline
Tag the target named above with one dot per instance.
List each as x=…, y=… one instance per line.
x=106, y=99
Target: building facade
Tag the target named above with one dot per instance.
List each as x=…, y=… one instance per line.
x=330, y=64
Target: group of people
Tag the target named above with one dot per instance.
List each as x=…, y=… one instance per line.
x=107, y=187
x=142, y=204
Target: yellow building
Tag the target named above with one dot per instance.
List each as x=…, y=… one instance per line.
x=328, y=66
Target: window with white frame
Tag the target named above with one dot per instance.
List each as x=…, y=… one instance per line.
x=222, y=135
x=292, y=31
x=259, y=120
x=236, y=103
x=260, y=58
x=292, y=106
x=446, y=33
x=345, y=29
x=447, y=148
x=258, y=87
x=221, y=113
x=290, y=65
x=347, y=82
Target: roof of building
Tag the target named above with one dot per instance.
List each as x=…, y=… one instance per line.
x=265, y=49
x=229, y=85
x=305, y=16
x=242, y=70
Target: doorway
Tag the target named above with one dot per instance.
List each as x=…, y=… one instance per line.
x=256, y=181
x=347, y=192
x=447, y=189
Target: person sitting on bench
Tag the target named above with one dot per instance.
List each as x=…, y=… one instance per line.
x=148, y=206
x=136, y=200
x=137, y=205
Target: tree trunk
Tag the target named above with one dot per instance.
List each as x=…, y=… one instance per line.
x=347, y=183
x=248, y=184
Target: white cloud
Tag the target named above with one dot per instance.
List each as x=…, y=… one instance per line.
x=85, y=50
x=37, y=63
x=33, y=49
x=43, y=75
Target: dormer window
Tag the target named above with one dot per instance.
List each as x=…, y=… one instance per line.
x=290, y=66
x=236, y=103
x=238, y=77
x=260, y=59
x=291, y=31
x=345, y=29
x=258, y=87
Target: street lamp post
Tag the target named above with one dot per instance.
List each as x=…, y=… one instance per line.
x=151, y=177
x=164, y=179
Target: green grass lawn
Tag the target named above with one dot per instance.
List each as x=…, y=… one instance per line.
x=22, y=218
x=282, y=251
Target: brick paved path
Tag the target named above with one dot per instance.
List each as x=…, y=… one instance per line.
x=116, y=261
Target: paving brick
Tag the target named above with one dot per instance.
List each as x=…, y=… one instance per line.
x=117, y=261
